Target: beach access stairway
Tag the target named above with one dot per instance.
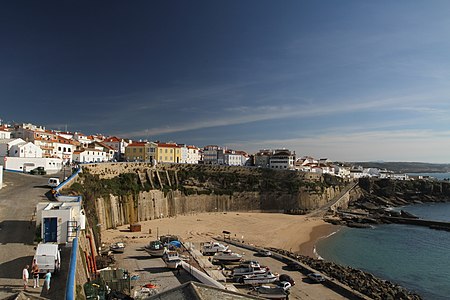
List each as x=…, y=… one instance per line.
x=340, y=200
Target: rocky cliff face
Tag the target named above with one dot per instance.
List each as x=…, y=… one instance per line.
x=118, y=194
x=386, y=192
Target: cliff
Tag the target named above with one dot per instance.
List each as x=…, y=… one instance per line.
x=118, y=194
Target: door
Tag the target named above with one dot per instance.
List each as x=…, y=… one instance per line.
x=50, y=229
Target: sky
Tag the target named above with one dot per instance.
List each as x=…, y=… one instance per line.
x=347, y=80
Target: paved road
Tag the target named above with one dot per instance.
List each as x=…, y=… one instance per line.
x=18, y=199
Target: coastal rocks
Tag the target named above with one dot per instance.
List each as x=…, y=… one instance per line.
x=358, y=280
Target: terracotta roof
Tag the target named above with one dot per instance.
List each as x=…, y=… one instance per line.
x=137, y=144
x=168, y=145
x=112, y=139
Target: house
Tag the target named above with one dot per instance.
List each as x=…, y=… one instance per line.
x=6, y=144
x=64, y=148
x=189, y=154
x=5, y=132
x=213, y=155
x=109, y=151
x=262, y=158
x=282, y=159
x=89, y=155
x=235, y=158
x=140, y=151
x=118, y=145
x=168, y=153
x=25, y=150
x=83, y=139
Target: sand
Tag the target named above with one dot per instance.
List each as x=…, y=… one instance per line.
x=296, y=233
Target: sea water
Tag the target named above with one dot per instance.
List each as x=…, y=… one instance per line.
x=415, y=257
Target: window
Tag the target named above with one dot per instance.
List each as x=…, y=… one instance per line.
x=165, y=151
x=59, y=148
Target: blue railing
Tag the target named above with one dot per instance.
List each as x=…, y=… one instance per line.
x=71, y=278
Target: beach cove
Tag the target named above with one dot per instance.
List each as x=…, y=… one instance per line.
x=296, y=233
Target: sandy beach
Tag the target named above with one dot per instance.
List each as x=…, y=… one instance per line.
x=297, y=233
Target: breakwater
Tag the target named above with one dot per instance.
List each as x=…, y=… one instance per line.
x=360, y=281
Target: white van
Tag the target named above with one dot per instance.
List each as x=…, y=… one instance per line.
x=47, y=258
x=53, y=182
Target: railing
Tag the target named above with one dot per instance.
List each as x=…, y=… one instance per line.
x=71, y=278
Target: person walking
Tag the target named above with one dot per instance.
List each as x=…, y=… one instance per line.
x=35, y=274
x=47, y=278
x=25, y=276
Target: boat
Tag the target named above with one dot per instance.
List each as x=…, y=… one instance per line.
x=155, y=248
x=213, y=247
x=172, y=259
x=268, y=292
x=267, y=277
x=227, y=256
x=249, y=263
x=241, y=271
x=117, y=247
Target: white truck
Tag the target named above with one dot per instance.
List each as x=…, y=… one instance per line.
x=47, y=257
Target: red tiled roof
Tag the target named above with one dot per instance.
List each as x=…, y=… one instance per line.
x=137, y=144
x=112, y=139
x=168, y=145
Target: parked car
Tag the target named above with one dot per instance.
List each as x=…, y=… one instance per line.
x=316, y=277
x=264, y=252
x=284, y=285
x=293, y=266
x=286, y=278
x=53, y=182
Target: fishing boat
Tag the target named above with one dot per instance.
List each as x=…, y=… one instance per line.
x=155, y=248
x=117, y=247
x=269, y=292
x=241, y=271
x=267, y=277
x=172, y=259
x=213, y=247
x=227, y=256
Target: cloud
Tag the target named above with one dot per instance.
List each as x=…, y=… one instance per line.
x=398, y=145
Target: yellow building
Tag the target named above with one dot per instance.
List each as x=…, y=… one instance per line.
x=140, y=151
x=168, y=153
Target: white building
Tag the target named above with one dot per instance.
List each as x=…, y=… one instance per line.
x=26, y=164
x=119, y=146
x=25, y=150
x=282, y=159
x=64, y=148
x=83, y=139
x=6, y=144
x=59, y=221
x=4, y=133
x=89, y=155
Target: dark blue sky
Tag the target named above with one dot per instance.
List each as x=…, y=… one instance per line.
x=348, y=80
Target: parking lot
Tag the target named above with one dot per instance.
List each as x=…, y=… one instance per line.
x=304, y=288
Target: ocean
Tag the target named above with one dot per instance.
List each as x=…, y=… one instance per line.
x=415, y=257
